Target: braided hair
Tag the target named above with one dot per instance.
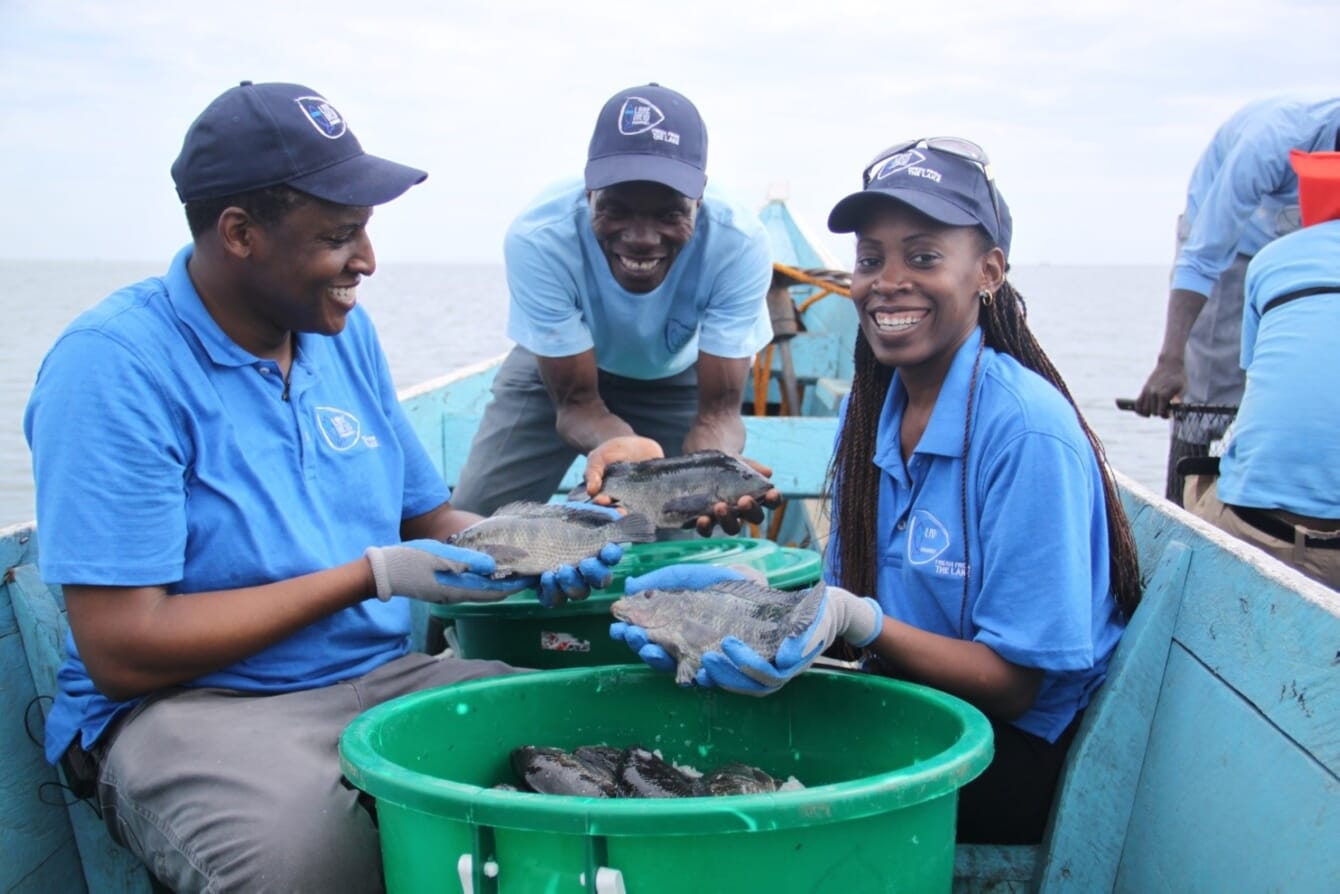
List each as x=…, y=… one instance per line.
x=853, y=478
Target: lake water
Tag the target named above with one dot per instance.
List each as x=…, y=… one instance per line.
x=1100, y=325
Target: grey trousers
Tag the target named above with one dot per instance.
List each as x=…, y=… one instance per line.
x=517, y=453
x=219, y=791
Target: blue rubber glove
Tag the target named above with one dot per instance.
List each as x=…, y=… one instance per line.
x=671, y=577
x=576, y=581
x=439, y=572
x=738, y=668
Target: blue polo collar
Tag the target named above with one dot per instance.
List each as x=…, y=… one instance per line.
x=190, y=309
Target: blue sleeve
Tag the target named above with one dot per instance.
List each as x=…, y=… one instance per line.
x=545, y=315
x=736, y=322
x=106, y=445
x=1256, y=167
x=1040, y=553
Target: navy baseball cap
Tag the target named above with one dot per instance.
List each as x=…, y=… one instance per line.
x=649, y=133
x=951, y=187
x=258, y=135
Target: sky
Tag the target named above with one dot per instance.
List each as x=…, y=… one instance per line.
x=1093, y=112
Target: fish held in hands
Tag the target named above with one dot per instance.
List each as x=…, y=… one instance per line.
x=532, y=538
x=675, y=491
x=689, y=623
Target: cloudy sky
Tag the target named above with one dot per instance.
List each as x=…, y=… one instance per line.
x=1094, y=112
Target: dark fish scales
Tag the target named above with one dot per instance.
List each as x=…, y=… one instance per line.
x=553, y=771
x=689, y=623
x=676, y=490
x=642, y=774
x=531, y=538
x=600, y=758
x=736, y=779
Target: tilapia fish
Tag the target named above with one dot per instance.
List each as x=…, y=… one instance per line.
x=553, y=771
x=689, y=623
x=603, y=771
x=676, y=490
x=531, y=538
x=642, y=774
x=736, y=779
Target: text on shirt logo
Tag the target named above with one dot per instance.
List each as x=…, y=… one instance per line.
x=340, y=428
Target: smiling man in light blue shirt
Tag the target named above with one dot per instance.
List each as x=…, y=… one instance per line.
x=638, y=299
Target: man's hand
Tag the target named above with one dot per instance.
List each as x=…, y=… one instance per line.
x=747, y=509
x=1166, y=382
x=626, y=448
x=439, y=572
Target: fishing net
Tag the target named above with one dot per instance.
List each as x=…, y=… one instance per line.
x=1198, y=430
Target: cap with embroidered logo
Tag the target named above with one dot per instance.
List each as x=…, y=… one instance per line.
x=649, y=133
x=255, y=136
x=944, y=186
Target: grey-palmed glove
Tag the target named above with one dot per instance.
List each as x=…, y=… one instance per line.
x=439, y=572
x=738, y=668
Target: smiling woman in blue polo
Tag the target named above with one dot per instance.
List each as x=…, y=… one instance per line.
x=978, y=543
x=970, y=498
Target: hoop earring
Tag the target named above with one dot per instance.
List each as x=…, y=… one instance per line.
x=986, y=298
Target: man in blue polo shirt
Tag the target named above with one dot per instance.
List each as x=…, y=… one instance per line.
x=1242, y=194
x=638, y=298
x=234, y=503
x=1279, y=479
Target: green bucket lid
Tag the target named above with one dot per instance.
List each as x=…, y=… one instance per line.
x=792, y=567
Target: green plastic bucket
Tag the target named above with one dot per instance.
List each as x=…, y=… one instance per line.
x=882, y=762
x=522, y=632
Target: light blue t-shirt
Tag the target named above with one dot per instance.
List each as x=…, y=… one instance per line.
x=1038, y=585
x=564, y=300
x=1285, y=448
x=1244, y=183
x=165, y=454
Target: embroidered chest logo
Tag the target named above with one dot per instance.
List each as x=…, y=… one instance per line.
x=927, y=538
x=323, y=116
x=340, y=428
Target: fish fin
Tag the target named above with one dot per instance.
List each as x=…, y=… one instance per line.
x=635, y=528
x=689, y=504
x=529, y=509
x=802, y=616
x=503, y=553
x=686, y=670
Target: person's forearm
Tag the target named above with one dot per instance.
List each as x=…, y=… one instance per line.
x=716, y=431
x=586, y=426
x=967, y=669
x=1184, y=306
x=138, y=640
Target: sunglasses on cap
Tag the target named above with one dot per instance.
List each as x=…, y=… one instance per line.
x=955, y=146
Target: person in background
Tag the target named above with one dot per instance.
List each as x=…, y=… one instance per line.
x=979, y=545
x=236, y=505
x=1242, y=194
x=638, y=299
x=1279, y=478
